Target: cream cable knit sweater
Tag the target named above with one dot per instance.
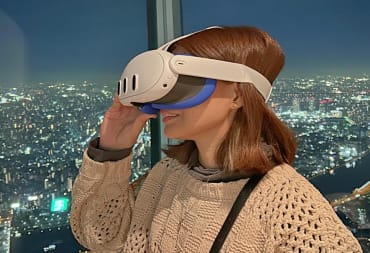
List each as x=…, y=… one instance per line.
x=174, y=212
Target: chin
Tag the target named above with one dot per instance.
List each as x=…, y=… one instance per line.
x=173, y=135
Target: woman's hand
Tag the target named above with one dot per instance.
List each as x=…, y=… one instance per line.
x=121, y=126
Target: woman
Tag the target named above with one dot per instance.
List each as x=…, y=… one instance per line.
x=186, y=197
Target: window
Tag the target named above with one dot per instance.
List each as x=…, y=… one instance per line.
x=60, y=62
x=322, y=93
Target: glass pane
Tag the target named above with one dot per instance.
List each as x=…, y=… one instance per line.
x=59, y=66
x=322, y=93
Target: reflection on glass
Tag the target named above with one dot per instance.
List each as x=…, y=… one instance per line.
x=46, y=124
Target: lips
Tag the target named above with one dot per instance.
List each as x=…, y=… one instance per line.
x=168, y=116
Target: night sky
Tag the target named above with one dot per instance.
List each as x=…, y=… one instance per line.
x=73, y=40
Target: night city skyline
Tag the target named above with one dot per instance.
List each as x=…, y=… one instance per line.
x=49, y=41
x=59, y=62
x=46, y=128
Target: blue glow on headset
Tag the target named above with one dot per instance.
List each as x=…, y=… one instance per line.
x=203, y=95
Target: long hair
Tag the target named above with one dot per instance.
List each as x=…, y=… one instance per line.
x=257, y=139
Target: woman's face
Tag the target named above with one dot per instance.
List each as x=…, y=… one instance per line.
x=211, y=119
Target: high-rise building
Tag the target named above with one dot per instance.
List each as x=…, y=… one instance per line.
x=8, y=178
x=69, y=184
x=46, y=184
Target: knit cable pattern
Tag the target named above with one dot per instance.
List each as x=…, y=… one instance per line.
x=174, y=212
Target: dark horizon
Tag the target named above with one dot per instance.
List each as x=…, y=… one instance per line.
x=44, y=41
x=112, y=82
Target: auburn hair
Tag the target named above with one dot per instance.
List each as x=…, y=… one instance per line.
x=255, y=125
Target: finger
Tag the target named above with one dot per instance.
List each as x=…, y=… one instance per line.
x=116, y=103
x=143, y=117
x=152, y=116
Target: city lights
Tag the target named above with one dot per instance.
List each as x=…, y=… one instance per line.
x=59, y=205
x=47, y=127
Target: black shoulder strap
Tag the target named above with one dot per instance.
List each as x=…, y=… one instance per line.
x=234, y=212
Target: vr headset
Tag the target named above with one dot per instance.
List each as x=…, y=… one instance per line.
x=158, y=79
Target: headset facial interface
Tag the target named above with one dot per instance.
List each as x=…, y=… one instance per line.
x=158, y=79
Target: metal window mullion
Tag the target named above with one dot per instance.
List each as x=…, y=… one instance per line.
x=164, y=24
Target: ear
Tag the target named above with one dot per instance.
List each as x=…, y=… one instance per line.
x=236, y=104
x=237, y=100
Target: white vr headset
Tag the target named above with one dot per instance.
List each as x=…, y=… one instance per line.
x=158, y=79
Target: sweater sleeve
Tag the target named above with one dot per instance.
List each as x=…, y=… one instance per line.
x=102, y=202
x=300, y=219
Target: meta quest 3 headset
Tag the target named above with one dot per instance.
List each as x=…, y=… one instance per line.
x=158, y=79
